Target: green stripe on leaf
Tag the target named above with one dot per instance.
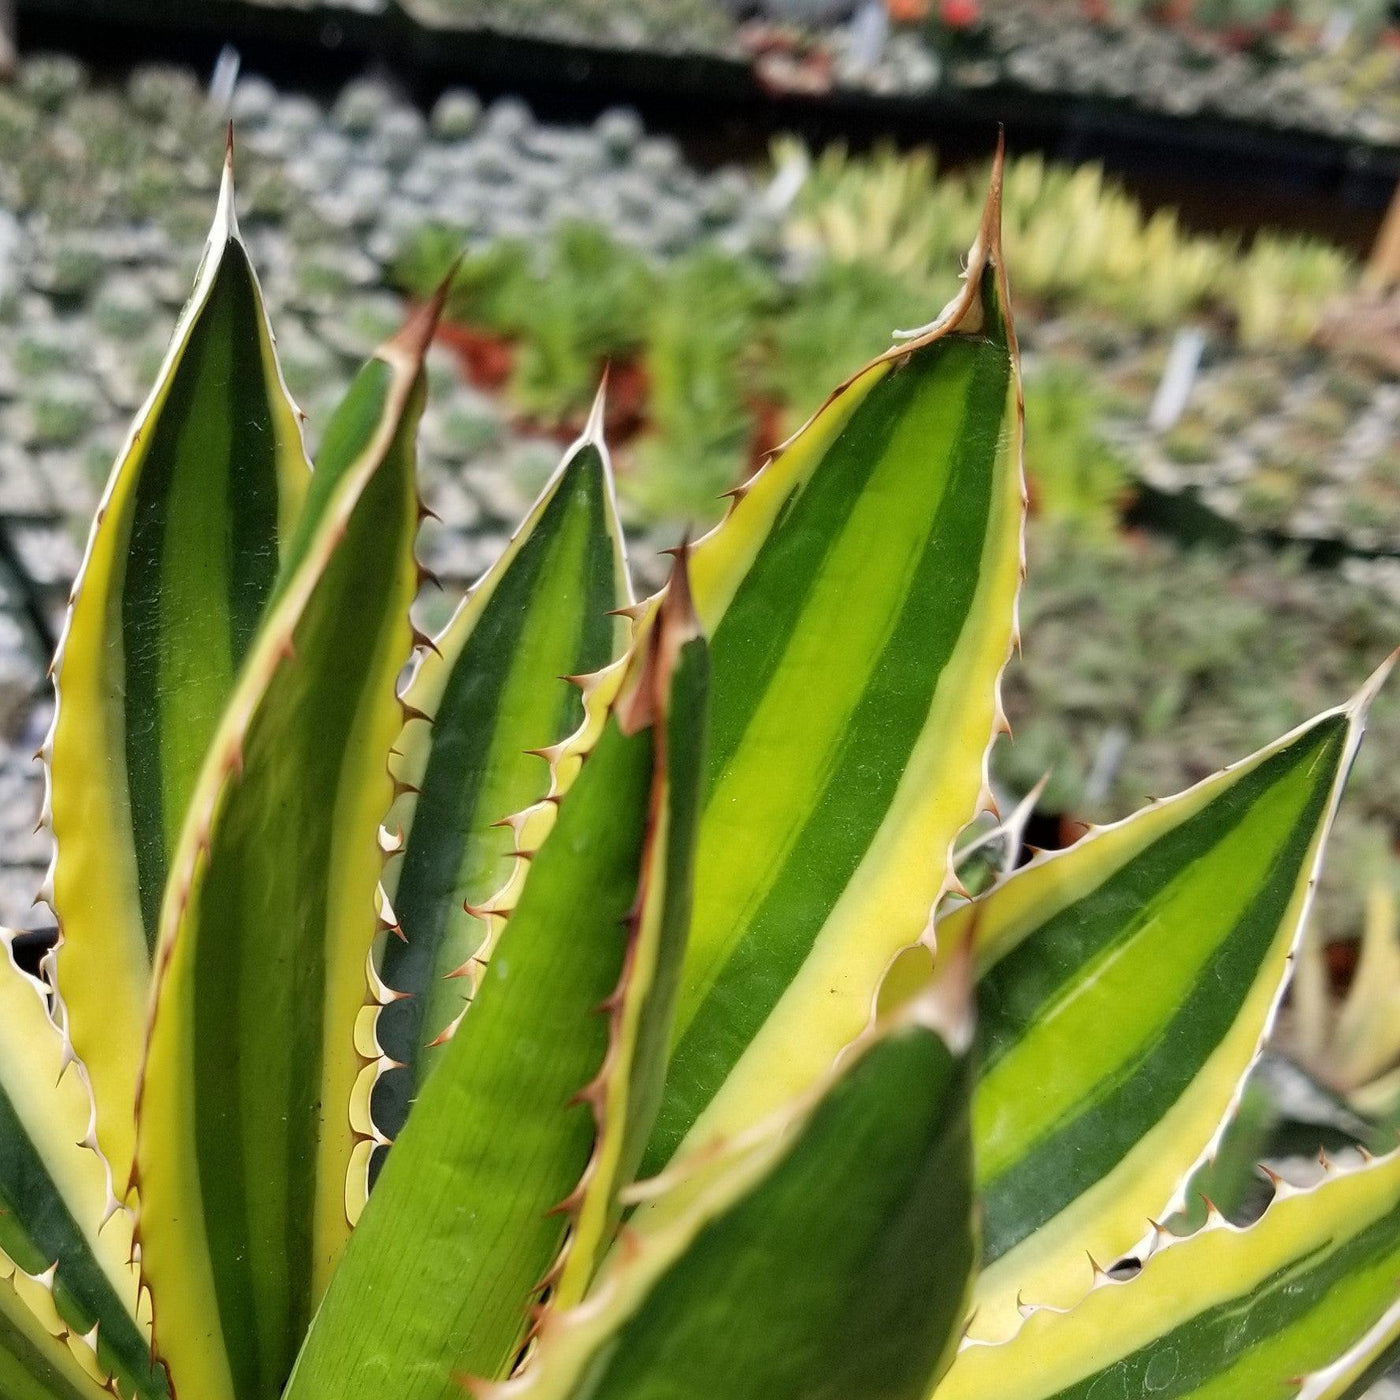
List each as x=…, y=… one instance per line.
x=828, y=1258
x=861, y=598
x=37, y=1363
x=59, y=1222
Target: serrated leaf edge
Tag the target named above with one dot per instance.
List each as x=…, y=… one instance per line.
x=730, y=1168
x=646, y=701
x=83, y=1345
x=1159, y=1241
x=530, y=826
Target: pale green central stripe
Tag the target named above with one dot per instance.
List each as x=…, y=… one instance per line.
x=1130, y=984
x=760, y=804
x=509, y=783
x=197, y=512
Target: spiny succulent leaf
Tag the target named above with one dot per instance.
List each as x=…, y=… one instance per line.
x=1300, y=1304
x=483, y=700
x=829, y=1260
x=39, y=1360
x=179, y=569
x=57, y=1210
x=244, y=1136
x=860, y=599
x=505, y=1127
x=1124, y=988
x=630, y=1086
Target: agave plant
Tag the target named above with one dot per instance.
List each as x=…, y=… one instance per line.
x=630, y=1034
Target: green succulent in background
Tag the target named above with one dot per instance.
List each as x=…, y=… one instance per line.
x=573, y=1024
x=723, y=350
x=1076, y=478
x=699, y=366
x=845, y=307
x=1282, y=287
x=489, y=287
x=889, y=209
x=605, y=294
x=1353, y=1043
x=563, y=339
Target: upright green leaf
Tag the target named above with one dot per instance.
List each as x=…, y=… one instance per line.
x=860, y=598
x=1125, y=986
x=459, y=1219
x=485, y=701
x=179, y=568
x=244, y=1136
x=626, y=1092
x=65, y=1243
x=829, y=1259
x=1300, y=1304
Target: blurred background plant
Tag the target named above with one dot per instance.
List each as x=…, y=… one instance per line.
x=1346, y=1006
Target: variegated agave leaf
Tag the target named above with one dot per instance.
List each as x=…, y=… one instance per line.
x=1125, y=987
x=179, y=569
x=490, y=697
x=826, y=1257
x=69, y=1317
x=860, y=598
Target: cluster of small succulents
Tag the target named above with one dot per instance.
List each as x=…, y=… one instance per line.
x=1361, y=79
x=1243, y=19
x=1076, y=237
x=1293, y=446
x=1277, y=438
x=1102, y=286
x=1323, y=74
x=1300, y=448
x=1344, y=88
x=103, y=190
x=1060, y=47
x=24, y=714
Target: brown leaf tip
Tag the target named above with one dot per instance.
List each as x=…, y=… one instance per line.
x=593, y=428
x=411, y=342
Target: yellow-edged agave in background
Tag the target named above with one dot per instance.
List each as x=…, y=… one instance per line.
x=578, y=948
